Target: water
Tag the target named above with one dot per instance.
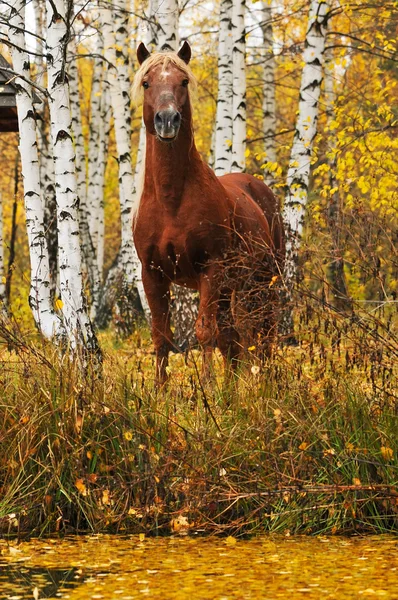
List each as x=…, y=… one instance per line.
x=125, y=568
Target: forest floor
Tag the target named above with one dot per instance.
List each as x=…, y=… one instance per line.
x=306, y=443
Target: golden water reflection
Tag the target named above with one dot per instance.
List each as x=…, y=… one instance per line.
x=125, y=568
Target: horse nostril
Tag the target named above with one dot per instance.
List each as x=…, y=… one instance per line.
x=158, y=119
x=176, y=119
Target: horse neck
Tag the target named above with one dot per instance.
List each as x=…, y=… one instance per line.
x=168, y=165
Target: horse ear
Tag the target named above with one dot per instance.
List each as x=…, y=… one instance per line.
x=185, y=52
x=142, y=53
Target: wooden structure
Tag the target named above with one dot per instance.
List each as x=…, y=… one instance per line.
x=8, y=101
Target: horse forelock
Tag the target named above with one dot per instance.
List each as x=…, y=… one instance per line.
x=165, y=59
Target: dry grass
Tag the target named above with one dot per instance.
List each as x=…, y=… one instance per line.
x=306, y=442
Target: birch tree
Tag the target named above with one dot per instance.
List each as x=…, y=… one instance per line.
x=223, y=129
x=89, y=255
x=336, y=274
x=100, y=113
x=239, y=86
x=76, y=320
x=269, y=107
x=39, y=297
x=305, y=132
x=119, y=83
x=46, y=161
x=166, y=15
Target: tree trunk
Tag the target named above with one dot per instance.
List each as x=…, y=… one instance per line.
x=100, y=115
x=88, y=250
x=300, y=157
x=336, y=275
x=223, y=136
x=39, y=298
x=239, y=86
x=119, y=83
x=46, y=160
x=269, y=108
x=166, y=15
x=79, y=330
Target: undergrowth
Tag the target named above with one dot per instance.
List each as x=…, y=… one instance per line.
x=306, y=443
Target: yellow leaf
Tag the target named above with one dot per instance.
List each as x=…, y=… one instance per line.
x=230, y=541
x=356, y=481
x=303, y=446
x=58, y=304
x=386, y=452
x=252, y=348
x=141, y=537
x=275, y=278
x=105, y=498
x=81, y=487
x=128, y=436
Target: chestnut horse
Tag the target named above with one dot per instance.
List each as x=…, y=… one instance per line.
x=186, y=219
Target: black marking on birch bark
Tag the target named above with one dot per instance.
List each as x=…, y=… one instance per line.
x=166, y=47
x=64, y=214
x=29, y=115
x=239, y=117
x=297, y=181
x=62, y=135
x=124, y=157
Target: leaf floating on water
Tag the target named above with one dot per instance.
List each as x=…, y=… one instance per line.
x=230, y=541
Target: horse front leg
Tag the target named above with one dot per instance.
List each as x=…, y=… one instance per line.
x=157, y=291
x=206, y=323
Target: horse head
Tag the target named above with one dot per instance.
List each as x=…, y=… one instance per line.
x=164, y=78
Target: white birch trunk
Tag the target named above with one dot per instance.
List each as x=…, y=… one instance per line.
x=306, y=128
x=2, y=271
x=103, y=140
x=120, y=103
x=45, y=150
x=89, y=257
x=76, y=320
x=239, y=86
x=97, y=151
x=166, y=14
x=39, y=298
x=269, y=116
x=224, y=135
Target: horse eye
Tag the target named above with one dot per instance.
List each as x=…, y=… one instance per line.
x=145, y=85
x=185, y=83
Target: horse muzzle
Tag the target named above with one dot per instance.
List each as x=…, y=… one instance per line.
x=167, y=124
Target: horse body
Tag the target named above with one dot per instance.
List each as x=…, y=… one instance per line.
x=188, y=220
